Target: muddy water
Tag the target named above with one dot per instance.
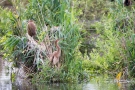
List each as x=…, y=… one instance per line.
x=94, y=84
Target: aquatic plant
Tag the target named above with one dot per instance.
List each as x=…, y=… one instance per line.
x=59, y=13
x=114, y=41
x=57, y=19
x=47, y=14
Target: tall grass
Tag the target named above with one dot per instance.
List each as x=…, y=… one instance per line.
x=59, y=13
x=114, y=42
x=46, y=13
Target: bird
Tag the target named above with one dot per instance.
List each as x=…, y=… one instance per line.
x=55, y=56
x=31, y=28
x=127, y=2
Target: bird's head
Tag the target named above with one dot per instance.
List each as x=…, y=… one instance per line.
x=58, y=40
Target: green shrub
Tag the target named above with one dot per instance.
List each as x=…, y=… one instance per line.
x=54, y=13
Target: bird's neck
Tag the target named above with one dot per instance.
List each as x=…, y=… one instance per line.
x=57, y=46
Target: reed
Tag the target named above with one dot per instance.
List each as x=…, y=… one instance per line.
x=47, y=14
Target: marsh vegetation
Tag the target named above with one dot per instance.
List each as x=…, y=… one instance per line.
x=96, y=37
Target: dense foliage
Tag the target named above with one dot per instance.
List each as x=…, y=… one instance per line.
x=44, y=12
x=101, y=30
x=115, y=40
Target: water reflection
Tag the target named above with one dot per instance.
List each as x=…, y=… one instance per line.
x=127, y=86
x=84, y=86
x=90, y=86
x=59, y=86
x=5, y=82
x=23, y=84
x=116, y=86
x=132, y=87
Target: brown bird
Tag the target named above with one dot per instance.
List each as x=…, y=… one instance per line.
x=31, y=27
x=54, y=57
x=127, y=2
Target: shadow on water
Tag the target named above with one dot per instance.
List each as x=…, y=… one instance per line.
x=22, y=84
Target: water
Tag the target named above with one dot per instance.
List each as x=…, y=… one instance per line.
x=5, y=82
x=22, y=84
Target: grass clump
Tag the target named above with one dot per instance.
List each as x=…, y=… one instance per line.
x=46, y=14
